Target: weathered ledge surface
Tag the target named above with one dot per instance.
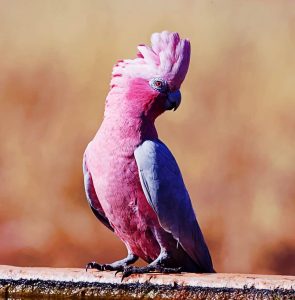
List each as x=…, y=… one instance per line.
x=55, y=283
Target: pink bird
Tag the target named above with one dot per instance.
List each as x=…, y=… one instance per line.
x=132, y=181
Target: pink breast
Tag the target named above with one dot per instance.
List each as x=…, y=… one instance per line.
x=117, y=184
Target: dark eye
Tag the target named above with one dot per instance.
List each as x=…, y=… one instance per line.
x=159, y=84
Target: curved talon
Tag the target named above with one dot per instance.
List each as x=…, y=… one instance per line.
x=127, y=271
x=121, y=270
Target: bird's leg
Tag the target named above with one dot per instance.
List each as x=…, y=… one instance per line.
x=115, y=266
x=158, y=265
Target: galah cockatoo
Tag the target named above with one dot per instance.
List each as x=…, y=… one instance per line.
x=132, y=181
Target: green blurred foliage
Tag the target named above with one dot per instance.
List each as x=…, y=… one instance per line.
x=233, y=135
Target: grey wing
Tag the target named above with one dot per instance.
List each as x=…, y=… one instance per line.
x=92, y=197
x=165, y=191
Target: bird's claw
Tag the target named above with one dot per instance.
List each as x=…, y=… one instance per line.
x=127, y=271
x=120, y=270
x=94, y=265
x=104, y=267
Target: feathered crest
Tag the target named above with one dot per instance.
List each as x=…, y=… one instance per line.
x=168, y=57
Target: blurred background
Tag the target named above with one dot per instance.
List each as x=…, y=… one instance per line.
x=233, y=136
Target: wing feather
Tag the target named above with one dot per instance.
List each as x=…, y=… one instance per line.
x=165, y=191
x=92, y=197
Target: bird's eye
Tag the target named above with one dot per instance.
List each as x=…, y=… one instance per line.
x=159, y=84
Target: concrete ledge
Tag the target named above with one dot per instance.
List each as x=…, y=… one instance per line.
x=53, y=282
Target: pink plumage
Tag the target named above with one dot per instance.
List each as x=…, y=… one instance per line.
x=125, y=181
x=168, y=57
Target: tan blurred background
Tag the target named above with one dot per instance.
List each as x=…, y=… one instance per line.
x=233, y=136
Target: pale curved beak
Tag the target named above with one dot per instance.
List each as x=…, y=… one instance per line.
x=173, y=100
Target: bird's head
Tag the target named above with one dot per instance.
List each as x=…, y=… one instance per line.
x=150, y=83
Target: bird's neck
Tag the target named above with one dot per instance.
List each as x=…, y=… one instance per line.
x=137, y=129
x=127, y=121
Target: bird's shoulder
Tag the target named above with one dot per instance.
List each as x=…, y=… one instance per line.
x=154, y=153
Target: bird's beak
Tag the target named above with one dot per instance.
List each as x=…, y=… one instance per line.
x=173, y=100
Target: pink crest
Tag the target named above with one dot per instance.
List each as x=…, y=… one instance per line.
x=168, y=57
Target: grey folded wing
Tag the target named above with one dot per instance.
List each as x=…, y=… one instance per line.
x=165, y=191
x=92, y=197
